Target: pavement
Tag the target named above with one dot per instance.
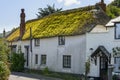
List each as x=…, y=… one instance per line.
x=26, y=76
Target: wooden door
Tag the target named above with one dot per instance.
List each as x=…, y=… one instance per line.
x=103, y=68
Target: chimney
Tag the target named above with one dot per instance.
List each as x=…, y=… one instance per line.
x=4, y=33
x=102, y=1
x=22, y=23
x=102, y=5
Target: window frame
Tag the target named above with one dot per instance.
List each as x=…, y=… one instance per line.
x=61, y=40
x=42, y=57
x=115, y=31
x=37, y=42
x=67, y=64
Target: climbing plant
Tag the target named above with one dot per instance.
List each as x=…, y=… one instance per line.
x=116, y=51
x=87, y=68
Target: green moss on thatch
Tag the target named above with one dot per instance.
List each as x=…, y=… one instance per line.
x=66, y=23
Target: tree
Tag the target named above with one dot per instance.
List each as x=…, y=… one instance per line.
x=4, y=63
x=116, y=3
x=4, y=51
x=113, y=11
x=17, y=61
x=47, y=11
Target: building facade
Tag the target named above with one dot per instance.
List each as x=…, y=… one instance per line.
x=66, y=41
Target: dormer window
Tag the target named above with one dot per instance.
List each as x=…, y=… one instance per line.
x=61, y=40
x=37, y=42
x=117, y=30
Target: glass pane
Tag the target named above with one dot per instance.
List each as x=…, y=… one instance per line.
x=43, y=59
x=117, y=30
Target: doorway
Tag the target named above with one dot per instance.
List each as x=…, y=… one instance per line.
x=103, y=68
x=27, y=55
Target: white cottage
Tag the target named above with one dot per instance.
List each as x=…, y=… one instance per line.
x=101, y=43
x=60, y=42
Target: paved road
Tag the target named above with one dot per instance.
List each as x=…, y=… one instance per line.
x=25, y=76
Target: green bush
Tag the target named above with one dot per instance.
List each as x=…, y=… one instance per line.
x=4, y=71
x=17, y=62
x=115, y=77
x=4, y=63
x=45, y=71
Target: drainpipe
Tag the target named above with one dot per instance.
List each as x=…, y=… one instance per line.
x=31, y=46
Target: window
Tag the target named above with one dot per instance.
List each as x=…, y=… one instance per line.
x=117, y=62
x=117, y=31
x=61, y=40
x=36, y=59
x=37, y=42
x=66, y=61
x=13, y=47
x=43, y=59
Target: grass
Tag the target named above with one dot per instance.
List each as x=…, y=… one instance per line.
x=64, y=76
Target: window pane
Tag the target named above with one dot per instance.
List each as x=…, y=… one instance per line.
x=61, y=40
x=37, y=42
x=66, y=61
x=43, y=59
x=117, y=30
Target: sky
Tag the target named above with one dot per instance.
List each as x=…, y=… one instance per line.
x=10, y=9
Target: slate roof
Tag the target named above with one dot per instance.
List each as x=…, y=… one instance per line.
x=112, y=21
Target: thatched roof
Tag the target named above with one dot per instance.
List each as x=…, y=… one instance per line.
x=68, y=23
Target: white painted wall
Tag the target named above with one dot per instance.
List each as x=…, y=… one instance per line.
x=95, y=39
x=74, y=46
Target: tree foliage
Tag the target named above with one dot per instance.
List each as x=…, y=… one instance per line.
x=4, y=63
x=17, y=61
x=113, y=9
x=47, y=11
x=116, y=3
x=116, y=51
x=4, y=71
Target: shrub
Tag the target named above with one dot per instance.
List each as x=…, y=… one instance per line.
x=17, y=61
x=114, y=77
x=45, y=71
x=4, y=52
x=4, y=71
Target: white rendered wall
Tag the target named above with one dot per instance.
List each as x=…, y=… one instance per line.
x=74, y=46
x=95, y=39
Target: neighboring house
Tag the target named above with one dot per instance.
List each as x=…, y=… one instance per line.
x=100, y=43
x=59, y=41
